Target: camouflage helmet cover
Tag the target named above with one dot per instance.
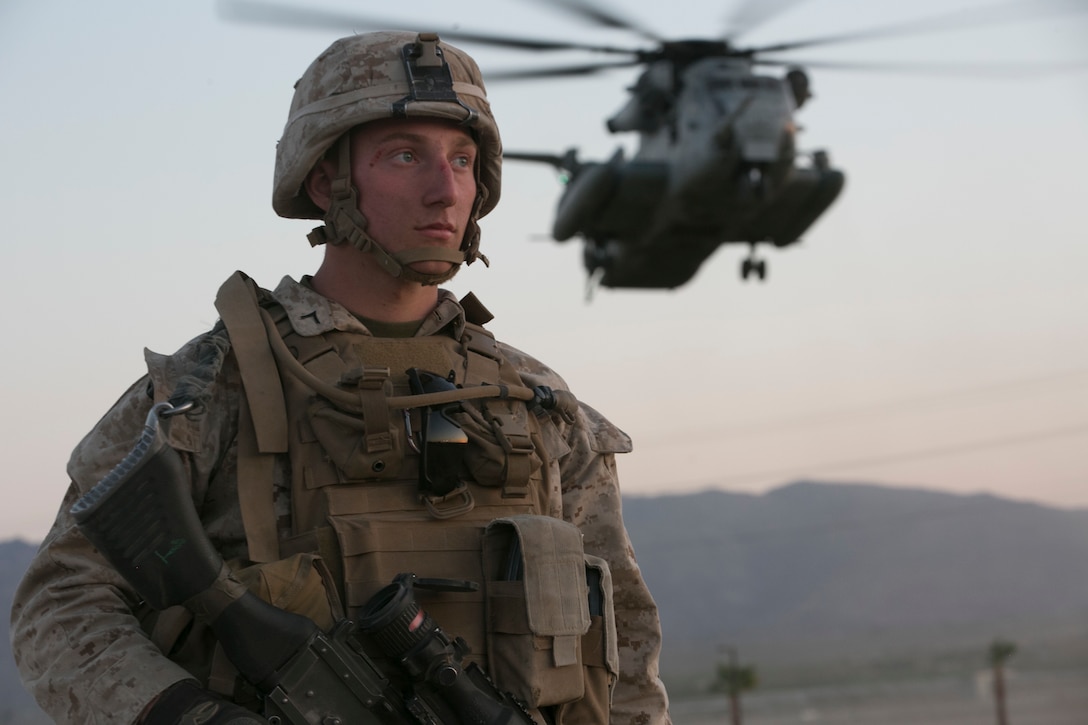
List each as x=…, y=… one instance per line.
x=358, y=79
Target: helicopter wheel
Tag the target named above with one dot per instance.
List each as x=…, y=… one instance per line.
x=751, y=266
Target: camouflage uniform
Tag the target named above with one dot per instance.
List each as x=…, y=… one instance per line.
x=76, y=625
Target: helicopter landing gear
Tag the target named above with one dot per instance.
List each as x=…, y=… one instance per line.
x=596, y=257
x=593, y=282
x=753, y=265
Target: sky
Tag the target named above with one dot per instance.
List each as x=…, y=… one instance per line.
x=930, y=331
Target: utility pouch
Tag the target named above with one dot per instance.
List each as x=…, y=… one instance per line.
x=537, y=608
x=365, y=446
x=301, y=584
x=500, y=451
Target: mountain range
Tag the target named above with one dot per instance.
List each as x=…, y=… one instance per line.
x=823, y=581
x=819, y=580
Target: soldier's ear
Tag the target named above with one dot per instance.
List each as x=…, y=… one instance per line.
x=318, y=183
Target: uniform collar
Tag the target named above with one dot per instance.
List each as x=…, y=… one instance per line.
x=313, y=314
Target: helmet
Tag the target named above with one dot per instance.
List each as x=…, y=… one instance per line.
x=374, y=76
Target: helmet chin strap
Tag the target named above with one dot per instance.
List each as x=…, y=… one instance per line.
x=345, y=223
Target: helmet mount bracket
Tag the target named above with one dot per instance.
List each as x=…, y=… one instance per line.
x=429, y=77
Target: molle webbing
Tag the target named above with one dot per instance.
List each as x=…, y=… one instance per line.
x=399, y=354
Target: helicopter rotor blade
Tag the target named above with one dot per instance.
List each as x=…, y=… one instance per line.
x=1002, y=71
x=605, y=17
x=753, y=13
x=558, y=71
x=1007, y=12
x=250, y=11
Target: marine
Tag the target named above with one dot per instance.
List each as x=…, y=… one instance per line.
x=360, y=423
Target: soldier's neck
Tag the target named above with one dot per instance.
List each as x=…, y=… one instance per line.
x=360, y=285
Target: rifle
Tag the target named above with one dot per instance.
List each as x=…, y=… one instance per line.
x=142, y=519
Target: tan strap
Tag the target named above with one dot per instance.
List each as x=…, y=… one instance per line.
x=512, y=432
x=484, y=365
x=429, y=254
x=238, y=308
x=372, y=391
x=483, y=356
x=222, y=674
x=169, y=626
x=255, y=492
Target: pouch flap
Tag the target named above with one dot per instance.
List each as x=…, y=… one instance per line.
x=553, y=573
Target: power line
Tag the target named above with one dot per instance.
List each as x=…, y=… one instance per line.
x=905, y=456
x=941, y=399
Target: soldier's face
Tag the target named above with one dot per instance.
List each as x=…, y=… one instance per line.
x=416, y=184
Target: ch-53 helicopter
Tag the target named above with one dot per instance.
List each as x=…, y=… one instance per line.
x=717, y=163
x=717, y=160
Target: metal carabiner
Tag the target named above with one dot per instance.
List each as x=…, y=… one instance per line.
x=169, y=410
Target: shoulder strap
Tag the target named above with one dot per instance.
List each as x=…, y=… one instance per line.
x=262, y=417
x=484, y=361
x=238, y=308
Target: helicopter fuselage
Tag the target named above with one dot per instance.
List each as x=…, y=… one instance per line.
x=716, y=163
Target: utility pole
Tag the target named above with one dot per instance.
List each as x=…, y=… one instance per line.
x=999, y=652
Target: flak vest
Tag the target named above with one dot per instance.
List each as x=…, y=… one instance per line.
x=534, y=609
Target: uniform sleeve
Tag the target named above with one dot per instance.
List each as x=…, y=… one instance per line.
x=78, y=645
x=591, y=500
x=75, y=623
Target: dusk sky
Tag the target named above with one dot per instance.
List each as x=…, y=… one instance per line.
x=931, y=330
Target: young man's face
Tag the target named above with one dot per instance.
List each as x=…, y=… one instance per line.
x=416, y=184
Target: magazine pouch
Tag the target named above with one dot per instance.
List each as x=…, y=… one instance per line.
x=537, y=608
x=600, y=652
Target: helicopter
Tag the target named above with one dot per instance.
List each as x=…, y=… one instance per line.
x=717, y=160
x=717, y=163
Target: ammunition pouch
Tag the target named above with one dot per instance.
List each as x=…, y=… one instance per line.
x=552, y=634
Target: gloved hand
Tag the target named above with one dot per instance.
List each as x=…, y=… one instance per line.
x=186, y=703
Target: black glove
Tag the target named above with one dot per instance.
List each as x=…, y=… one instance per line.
x=185, y=703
